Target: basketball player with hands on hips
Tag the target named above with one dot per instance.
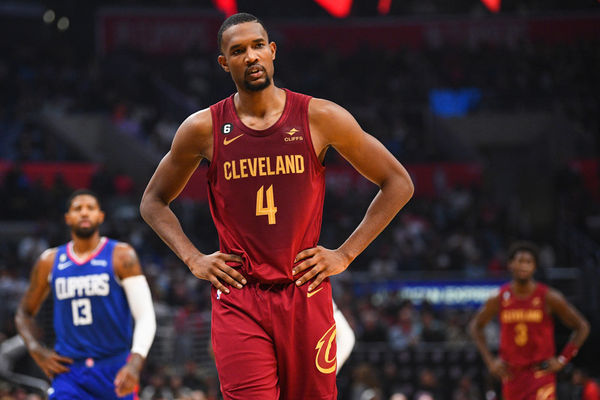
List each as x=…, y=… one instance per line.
x=103, y=318
x=527, y=363
x=273, y=331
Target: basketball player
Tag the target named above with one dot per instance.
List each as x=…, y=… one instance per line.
x=273, y=330
x=97, y=285
x=527, y=363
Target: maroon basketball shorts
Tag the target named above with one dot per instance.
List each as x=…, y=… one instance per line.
x=275, y=342
x=528, y=384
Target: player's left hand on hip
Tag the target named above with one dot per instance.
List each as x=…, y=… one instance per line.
x=319, y=263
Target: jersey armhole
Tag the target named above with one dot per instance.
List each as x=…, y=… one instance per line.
x=311, y=146
x=215, y=144
x=54, y=263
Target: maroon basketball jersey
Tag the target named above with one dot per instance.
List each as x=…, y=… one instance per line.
x=526, y=328
x=266, y=189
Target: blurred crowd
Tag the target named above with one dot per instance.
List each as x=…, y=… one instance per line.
x=148, y=96
x=458, y=232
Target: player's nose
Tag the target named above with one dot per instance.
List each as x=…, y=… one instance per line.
x=251, y=56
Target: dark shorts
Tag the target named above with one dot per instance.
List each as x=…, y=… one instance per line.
x=89, y=379
x=528, y=384
x=275, y=342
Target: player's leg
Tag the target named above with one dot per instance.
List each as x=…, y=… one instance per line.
x=244, y=352
x=344, y=336
x=527, y=384
x=304, y=332
x=66, y=386
x=99, y=378
x=545, y=384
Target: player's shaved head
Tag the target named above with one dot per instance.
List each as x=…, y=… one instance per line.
x=236, y=19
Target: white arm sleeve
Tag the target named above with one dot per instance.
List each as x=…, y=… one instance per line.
x=344, y=337
x=140, y=303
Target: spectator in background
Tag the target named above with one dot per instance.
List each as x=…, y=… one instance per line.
x=466, y=390
x=405, y=332
x=432, y=330
x=365, y=385
x=428, y=388
x=373, y=331
x=455, y=332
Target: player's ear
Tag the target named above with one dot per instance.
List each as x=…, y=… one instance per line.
x=223, y=62
x=101, y=217
x=273, y=47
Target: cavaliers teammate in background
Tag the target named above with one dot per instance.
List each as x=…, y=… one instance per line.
x=97, y=287
x=273, y=330
x=527, y=363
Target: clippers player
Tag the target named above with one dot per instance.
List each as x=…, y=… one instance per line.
x=273, y=330
x=97, y=286
x=527, y=363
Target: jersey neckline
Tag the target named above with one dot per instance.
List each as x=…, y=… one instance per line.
x=526, y=297
x=261, y=132
x=80, y=261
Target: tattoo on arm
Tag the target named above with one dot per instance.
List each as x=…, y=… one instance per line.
x=130, y=262
x=127, y=263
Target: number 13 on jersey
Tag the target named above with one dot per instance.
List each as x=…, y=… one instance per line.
x=270, y=210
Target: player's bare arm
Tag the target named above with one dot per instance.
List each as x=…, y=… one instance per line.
x=125, y=261
x=192, y=143
x=333, y=126
x=49, y=361
x=569, y=316
x=485, y=314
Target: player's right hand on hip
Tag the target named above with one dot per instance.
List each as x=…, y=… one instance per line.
x=49, y=361
x=213, y=268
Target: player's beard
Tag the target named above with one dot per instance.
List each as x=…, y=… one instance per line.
x=259, y=86
x=85, y=233
x=522, y=281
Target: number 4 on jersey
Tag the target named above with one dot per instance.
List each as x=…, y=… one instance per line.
x=270, y=210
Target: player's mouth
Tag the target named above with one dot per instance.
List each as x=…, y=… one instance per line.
x=254, y=72
x=85, y=223
x=524, y=271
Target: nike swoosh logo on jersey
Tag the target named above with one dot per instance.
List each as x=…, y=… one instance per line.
x=311, y=294
x=100, y=263
x=226, y=142
x=64, y=265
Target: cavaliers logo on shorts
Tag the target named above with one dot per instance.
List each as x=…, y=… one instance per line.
x=325, y=362
x=546, y=392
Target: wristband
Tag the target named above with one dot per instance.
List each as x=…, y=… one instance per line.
x=568, y=353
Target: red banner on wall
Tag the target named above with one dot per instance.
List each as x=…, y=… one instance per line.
x=75, y=175
x=340, y=177
x=158, y=31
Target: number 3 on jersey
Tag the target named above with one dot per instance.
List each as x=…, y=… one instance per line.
x=270, y=210
x=82, y=311
x=521, y=334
